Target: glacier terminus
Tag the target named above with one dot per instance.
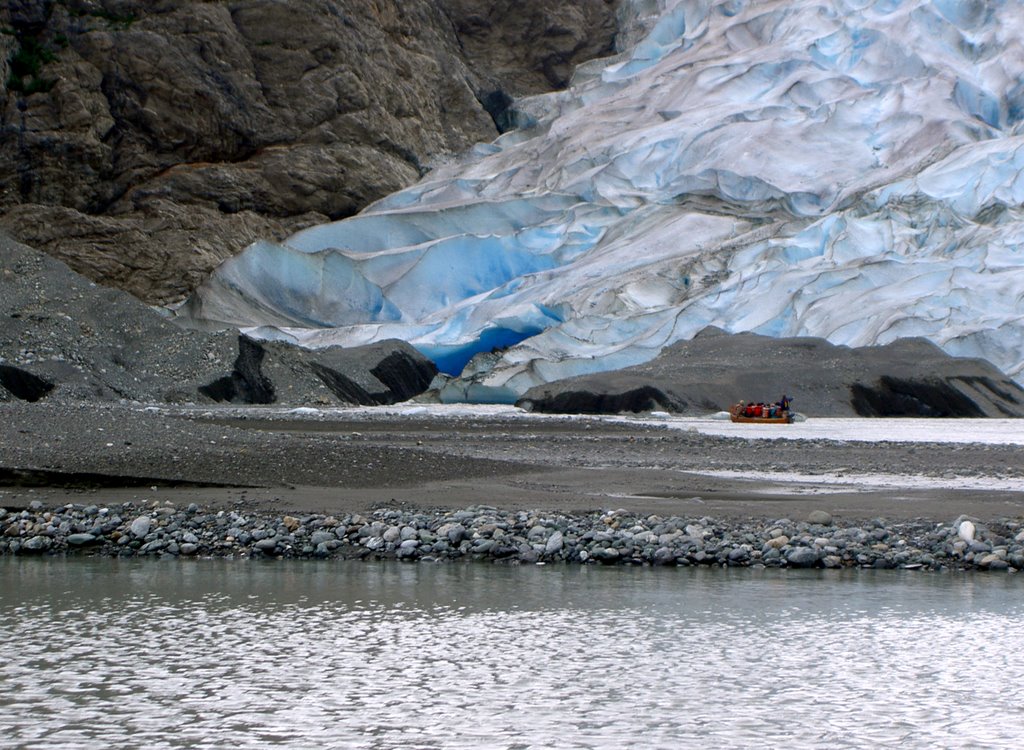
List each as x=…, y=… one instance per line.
x=846, y=169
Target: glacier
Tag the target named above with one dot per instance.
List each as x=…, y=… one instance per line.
x=847, y=169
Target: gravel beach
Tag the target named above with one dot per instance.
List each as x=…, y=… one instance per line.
x=353, y=469
x=296, y=461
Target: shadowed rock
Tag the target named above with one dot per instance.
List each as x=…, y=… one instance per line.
x=405, y=372
x=638, y=399
x=22, y=384
x=246, y=384
x=900, y=397
x=267, y=372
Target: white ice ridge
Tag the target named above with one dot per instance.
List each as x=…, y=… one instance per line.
x=838, y=168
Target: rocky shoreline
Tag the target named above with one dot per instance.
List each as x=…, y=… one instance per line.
x=484, y=533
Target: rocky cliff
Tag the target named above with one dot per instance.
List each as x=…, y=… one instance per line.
x=145, y=141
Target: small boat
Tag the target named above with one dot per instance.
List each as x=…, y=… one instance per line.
x=779, y=416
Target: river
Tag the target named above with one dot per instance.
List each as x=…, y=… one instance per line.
x=105, y=653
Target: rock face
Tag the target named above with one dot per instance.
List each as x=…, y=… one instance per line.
x=910, y=377
x=532, y=46
x=145, y=141
x=65, y=337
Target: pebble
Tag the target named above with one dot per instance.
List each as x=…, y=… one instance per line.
x=321, y=537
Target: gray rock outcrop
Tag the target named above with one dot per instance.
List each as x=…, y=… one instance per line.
x=145, y=141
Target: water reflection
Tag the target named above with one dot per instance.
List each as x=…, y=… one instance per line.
x=102, y=653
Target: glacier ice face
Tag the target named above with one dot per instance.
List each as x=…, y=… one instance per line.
x=837, y=168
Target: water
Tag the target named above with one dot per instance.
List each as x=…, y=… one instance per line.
x=100, y=653
x=989, y=431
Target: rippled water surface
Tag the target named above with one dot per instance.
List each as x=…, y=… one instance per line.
x=106, y=653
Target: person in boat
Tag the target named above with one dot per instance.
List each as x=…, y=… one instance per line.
x=783, y=403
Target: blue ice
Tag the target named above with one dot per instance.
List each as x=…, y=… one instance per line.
x=844, y=169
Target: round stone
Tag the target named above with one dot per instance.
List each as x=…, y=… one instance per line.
x=266, y=545
x=802, y=557
x=554, y=543
x=321, y=537
x=820, y=517
x=37, y=544
x=140, y=526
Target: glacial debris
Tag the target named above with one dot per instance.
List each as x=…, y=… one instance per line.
x=907, y=378
x=483, y=533
x=64, y=337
